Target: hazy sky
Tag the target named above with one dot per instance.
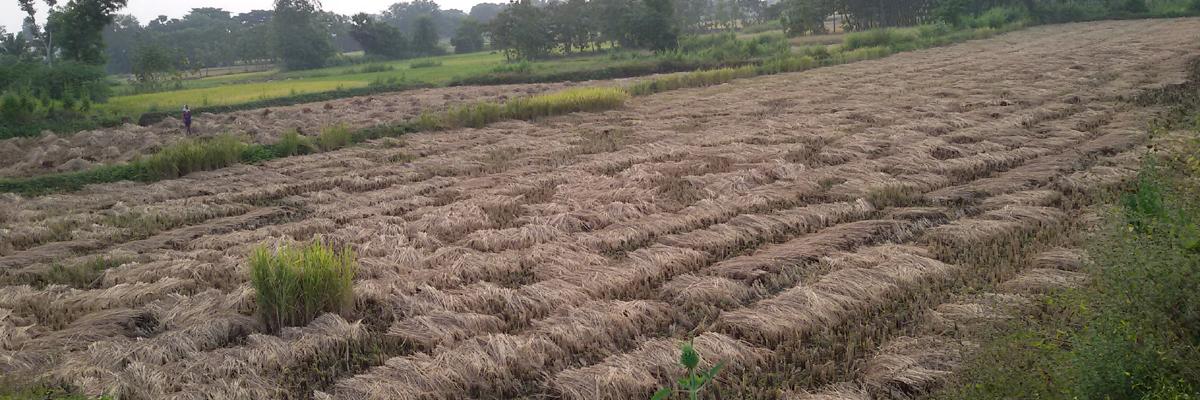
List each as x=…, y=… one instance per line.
x=145, y=10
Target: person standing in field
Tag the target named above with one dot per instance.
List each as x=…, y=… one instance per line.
x=187, y=119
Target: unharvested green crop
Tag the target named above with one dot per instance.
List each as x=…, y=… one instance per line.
x=295, y=284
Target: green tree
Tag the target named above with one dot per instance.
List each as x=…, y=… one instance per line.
x=300, y=42
x=153, y=64
x=469, y=37
x=657, y=29
x=78, y=27
x=425, y=37
x=522, y=31
x=377, y=37
x=802, y=17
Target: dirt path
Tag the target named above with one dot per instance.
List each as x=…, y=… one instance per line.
x=793, y=224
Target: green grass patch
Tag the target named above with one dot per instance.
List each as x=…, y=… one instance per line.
x=334, y=137
x=1134, y=331
x=295, y=284
x=427, y=63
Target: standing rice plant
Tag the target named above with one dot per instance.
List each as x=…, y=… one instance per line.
x=473, y=115
x=190, y=156
x=564, y=102
x=293, y=285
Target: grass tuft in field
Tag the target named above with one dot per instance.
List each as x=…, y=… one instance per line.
x=295, y=284
x=334, y=137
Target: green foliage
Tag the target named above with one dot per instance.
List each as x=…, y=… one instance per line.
x=75, y=29
x=771, y=25
x=191, y=156
x=657, y=28
x=334, y=137
x=1134, y=331
x=727, y=49
x=295, y=284
x=152, y=66
x=425, y=38
x=378, y=38
x=1130, y=6
x=877, y=38
x=521, y=31
x=292, y=143
x=18, y=109
x=998, y=17
x=300, y=41
x=468, y=38
x=694, y=380
x=934, y=30
x=952, y=12
x=802, y=17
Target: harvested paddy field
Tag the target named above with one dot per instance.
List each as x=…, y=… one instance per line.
x=837, y=233
x=59, y=153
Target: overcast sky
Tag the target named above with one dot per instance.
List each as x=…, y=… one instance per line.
x=145, y=10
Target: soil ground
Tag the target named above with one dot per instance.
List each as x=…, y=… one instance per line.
x=835, y=233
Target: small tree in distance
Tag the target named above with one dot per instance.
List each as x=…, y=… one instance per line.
x=425, y=37
x=468, y=38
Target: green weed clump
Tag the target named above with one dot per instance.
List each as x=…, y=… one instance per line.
x=334, y=137
x=295, y=284
x=878, y=38
x=292, y=143
x=190, y=156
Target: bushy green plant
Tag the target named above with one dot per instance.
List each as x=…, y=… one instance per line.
x=877, y=38
x=295, y=284
x=292, y=143
x=998, y=17
x=18, y=109
x=334, y=137
x=694, y=380
x=934, y=30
